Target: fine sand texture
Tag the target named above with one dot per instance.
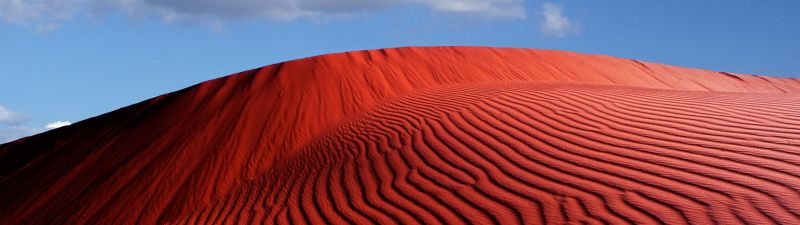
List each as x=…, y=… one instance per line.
x=427, y=135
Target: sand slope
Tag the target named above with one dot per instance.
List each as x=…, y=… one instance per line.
x=440, y=135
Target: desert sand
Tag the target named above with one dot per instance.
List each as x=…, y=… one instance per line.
x=427, y=135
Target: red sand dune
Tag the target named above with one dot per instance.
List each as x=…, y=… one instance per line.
x=439, y=135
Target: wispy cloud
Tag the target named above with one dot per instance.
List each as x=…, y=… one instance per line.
x=10, y=133
x=12, y=125
x=554, y=24
x=509, y=9
x=46, y=15
x=42, y=15
x=10, y=117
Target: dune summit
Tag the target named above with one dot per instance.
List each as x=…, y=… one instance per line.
x=427, y=135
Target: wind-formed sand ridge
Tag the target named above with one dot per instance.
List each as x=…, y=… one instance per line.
x=427, y=135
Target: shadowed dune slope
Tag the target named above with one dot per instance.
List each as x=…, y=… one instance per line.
x=427, y=135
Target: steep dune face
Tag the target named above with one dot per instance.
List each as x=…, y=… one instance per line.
x=440, y=135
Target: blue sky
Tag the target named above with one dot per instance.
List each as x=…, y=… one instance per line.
x=68, y=60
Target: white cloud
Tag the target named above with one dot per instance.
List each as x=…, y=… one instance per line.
x=554, y=23
x=12, y=125
x=43, y=15
x=511, y=9
x=46, y=15
x=10, y=133
x=9, y=117
x=57, y=124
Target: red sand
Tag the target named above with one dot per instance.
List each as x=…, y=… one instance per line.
x=440, y=135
